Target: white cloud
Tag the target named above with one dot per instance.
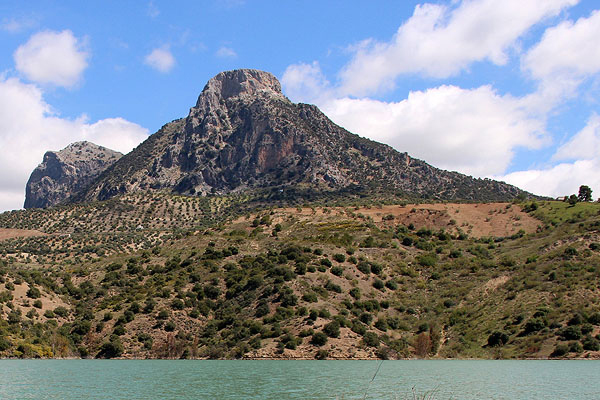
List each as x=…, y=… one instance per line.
x=226, y=52
x=13, y=25
x=306, y=83
x=440, y=41
x=561, y=180
x=55, y=58
x=474, y=131
x=160, y=59
x=565, y=178
x=566, y=54
x=584, y=145
x=29, y=127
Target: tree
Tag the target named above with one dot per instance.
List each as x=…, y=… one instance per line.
x=573, y=200
x=585, y=193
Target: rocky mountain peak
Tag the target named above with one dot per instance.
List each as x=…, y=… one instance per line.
x=241, y=82
x=65, y=172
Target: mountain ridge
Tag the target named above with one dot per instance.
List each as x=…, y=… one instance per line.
x=243, y=134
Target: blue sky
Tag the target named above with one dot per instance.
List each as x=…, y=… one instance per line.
x=503, y=89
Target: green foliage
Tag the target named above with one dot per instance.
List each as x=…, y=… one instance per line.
x=319, y=339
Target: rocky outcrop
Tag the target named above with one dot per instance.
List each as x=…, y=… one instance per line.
x=66, y=172
x=243, y=133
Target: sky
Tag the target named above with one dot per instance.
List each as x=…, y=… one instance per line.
x=502, y=89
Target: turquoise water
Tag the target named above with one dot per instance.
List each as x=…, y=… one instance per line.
x=152, y=379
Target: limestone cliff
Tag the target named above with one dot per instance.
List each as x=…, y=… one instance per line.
x=63, y=173
x=243, y=133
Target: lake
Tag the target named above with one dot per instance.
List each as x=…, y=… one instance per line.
x=165, y=379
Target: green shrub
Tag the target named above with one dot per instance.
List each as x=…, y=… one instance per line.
x=332, y=329
x=339, y=257
x=575, y=347
x=534, y=325
x=497, y=338
x=319, y=339
x=371, y=339
x=378, y=284
x=111, y=349
x=34, y=293
x=570, y=333
x=310, y=297
x=355, y=293
x=560, y=350
x=61, y=311
x=366, y=318
x=591, y=344
x=364, y=267
x=337, y=270
x=381, y=324
x=170, y=326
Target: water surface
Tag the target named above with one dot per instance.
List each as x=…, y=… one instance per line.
x=161, y=379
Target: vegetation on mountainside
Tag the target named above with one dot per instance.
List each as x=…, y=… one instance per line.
x=176, y=277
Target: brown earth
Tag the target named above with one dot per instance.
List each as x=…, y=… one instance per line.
x=16, y=233
x=478, y=220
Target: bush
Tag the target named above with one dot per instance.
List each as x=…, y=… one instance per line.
x=378, y=284
x=310, y=297
x=170, y=326
x=570, y=333
x=34, y=293
x=111, y=349
x=332, y=329
x=326, y=262
x=364, y=267
x=534, y=325
x=575, y=347
x=381, y=324
x=321, y=354
x=590, y=343
x=358, y=327
x=371, y=339
x=337, y=270
x=391, y=284
x=366, y=318
x=61, y=311
x=497, y=338
x=339, y=257
x=319, y=339
x=594, y=319
x=427, y=260
x=355, y=293
x=560, y=350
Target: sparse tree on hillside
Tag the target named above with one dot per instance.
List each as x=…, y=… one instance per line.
x=585, y=193
x=573, y=200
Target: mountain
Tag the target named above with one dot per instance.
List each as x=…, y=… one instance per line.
x=243, y=133
x=65, y=172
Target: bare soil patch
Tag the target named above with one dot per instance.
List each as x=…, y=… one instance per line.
x=16, y=233
x=479, y=219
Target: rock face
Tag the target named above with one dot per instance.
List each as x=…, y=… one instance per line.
x=243, y=133
x=66, y=172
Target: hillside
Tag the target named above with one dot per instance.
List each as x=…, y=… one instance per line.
x=157, y=275
x=243, y=134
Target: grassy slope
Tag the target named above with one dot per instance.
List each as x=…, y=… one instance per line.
x=164, y=276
